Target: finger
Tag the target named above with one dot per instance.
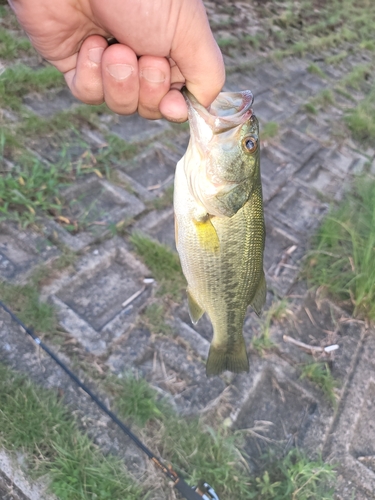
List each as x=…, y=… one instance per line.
x=197, y=54
x=154, y=84
x=85, y=80
x=120, y=79
x=173, y=106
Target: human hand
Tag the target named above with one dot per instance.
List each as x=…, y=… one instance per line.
x=163, y=45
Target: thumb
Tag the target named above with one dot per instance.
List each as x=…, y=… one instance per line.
x=197, y=54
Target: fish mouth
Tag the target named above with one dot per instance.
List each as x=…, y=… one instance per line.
x=229, y=110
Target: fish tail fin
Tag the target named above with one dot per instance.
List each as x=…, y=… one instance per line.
x=234, y=360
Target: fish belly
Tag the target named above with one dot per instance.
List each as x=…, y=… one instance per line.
x=222, y=259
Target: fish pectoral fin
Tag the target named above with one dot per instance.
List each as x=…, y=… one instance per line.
x=234, y=360
x=195, y=310
x=207, y=235
x=260, y=296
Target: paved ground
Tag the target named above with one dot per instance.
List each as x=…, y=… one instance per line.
x=303, y=168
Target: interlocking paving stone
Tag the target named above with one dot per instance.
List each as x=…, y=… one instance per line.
x=50, y=103
x=95, y=204
x=14, y=485
x=153, y=169
x=89, y=304
x=22, y=251
x=134, y=127
x=159, y=225
x=351, y=440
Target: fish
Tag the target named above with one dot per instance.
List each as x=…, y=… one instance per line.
x=219, y=222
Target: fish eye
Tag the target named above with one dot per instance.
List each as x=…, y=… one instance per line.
x=250, y=144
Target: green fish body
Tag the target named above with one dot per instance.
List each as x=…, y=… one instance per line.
x=219, y=223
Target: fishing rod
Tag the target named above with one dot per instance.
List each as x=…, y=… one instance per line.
x=201, y=492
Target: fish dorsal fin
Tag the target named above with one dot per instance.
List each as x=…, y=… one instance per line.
x=260, y=296
x=207, y=235
x=195, y=310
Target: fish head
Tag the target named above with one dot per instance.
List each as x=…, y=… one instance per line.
x=222, y=159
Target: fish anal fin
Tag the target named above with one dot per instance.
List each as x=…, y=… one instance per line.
x=195, y=310
x=260, y=296
x=221, y=359
x=207, y=235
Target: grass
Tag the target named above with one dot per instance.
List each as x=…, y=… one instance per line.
x=336, y=58
x=19, y=80
x=136, y=400
x=343, y=254
x=154, y=318
x=316, y=70
x=24, y=301
x=307, y=27
x=198, y=451
x=35, y=422
x=320, y=375
x=32, y=188
x=296, y=477
x=12, y=47
x=162, y=262
x=310, y=108
x=361, y=120
x=115, y=150
x=269, y=130
x=357, y=76
x=323, y=99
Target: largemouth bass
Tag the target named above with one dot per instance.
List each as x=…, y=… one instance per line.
x=219, y=222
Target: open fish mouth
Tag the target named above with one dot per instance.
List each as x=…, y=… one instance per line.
x=229, y=110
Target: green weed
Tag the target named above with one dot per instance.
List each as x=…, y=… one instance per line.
x=361, y=119
x=295, y=477
x=343, y=255
x=19, y=80
x=154, y=318
x=336, y=58
x=12, y=47
x=162, y=262
x=227, y=43
x=135, y=398
x=34, y=421
x=310, y=108
x=357, y=76
x=320, y=374
x=115, y=150
x=368, y=45
x=269, y=130
x=24, y=301
x=305, y=29
x=32, y=187
x=315, y=70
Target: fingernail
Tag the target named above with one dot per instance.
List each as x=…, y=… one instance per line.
x=120, y=71
x=95, y=54
x=153, y=75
